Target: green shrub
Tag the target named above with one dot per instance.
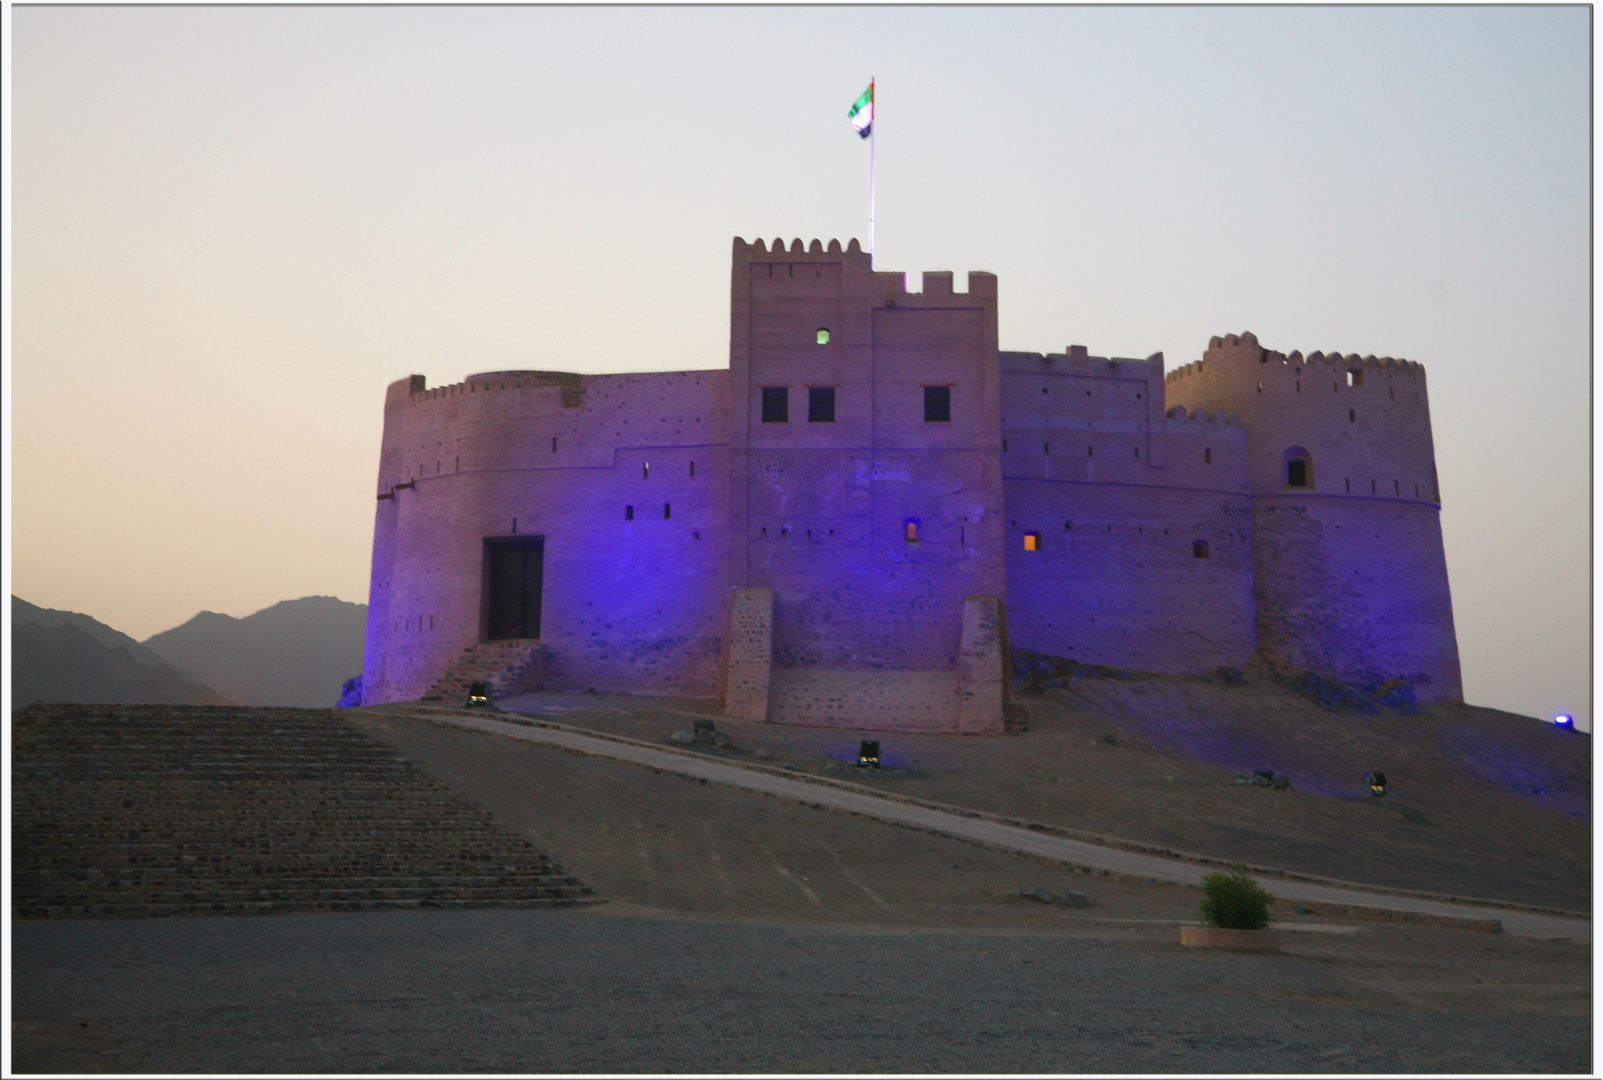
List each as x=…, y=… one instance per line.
x=1234, y=901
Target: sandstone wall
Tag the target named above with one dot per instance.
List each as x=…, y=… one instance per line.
x=820, y=511
x=1120, y=497
x=631, y=601
x=1349, y=571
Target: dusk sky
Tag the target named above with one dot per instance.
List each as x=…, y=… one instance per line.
x=232, y=227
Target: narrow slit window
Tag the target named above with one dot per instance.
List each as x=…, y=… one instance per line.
x=1352, y=416
x=645, y=471
x=628, y=513
x=1207, y=455
x=937, y=404
x=667, y=510
x=1199, y=550
x=820, y=404
x=776, y=404
x=1398, y=484
x=1372, y=487
x=1138, y=453
x=1004, y=446
x=1032, y=541
x=910, y=530
x=1349, y=485
x=553, y=444
x=1090, y=451
x=1046, y=448
x=692, y=468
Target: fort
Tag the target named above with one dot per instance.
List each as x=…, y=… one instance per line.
x=854, y=522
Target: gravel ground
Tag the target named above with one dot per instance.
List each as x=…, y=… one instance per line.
x=593, y=991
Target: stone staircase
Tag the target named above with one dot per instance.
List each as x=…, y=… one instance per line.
x=510, y=667
x=149, y=810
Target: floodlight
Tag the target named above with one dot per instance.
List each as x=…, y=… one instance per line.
x=868, y=754
x=1377, y=783
x=1564, y=720
x=479, y=696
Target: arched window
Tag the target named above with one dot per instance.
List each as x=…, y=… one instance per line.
x=1298, y=468
x=910, y=530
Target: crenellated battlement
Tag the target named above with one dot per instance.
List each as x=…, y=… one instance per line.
x=937, y=285
x=759, y=251
x=1204, y=416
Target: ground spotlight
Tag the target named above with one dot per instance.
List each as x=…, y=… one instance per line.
x=479, y=696
x=868, y=754
x=1377, y=783
x=1564, y=720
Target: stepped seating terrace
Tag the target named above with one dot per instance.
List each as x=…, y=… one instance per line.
x=159, y=810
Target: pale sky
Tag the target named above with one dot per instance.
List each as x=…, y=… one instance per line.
x=233, y=227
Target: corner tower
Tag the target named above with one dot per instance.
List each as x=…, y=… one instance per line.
x=1348, y=568
x=865, y=495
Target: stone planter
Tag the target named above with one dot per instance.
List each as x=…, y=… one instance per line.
x=1214, y=937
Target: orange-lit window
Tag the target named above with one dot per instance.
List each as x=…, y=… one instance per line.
x=1032, y=541
x=910, y=530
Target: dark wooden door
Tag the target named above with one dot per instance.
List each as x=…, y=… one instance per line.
x=517, y=572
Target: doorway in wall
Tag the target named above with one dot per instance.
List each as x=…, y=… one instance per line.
x=515, y=574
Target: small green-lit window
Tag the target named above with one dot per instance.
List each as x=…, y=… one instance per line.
x=823, y=335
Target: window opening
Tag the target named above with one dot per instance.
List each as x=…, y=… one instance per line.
x=1004, y=446
x=821, y=404
x=1046, y=448
x=1090, y=451
x=1207, y=455
x=1138, y=453
x=1296, y=474
x=553, y=444
x=822, y=337
x=1355, y=377
x=937, y=404
x=776, y=405
x=1398, y=484
x=692, y=468
x=1372, y=487
x=628, y=513
x=910, y=530
x=645, y=471
x=667, y=510
x=1349, y=485
x=1352, y=416
x=1032, y=541
x=1199, y=550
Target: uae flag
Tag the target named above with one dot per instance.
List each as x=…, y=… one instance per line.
x=862, y=114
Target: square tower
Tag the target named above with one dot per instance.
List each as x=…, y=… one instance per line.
x=865, y=486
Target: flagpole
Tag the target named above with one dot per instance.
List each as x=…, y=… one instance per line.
x=873, y=133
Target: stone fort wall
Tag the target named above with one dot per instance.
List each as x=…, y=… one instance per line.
x=625, y=476
x=871, y=568
x=1349, y=573
x=1143, y=519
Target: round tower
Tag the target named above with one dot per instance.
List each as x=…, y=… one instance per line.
x=1349, y=574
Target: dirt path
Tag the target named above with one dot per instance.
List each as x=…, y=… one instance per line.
x=1454, y=823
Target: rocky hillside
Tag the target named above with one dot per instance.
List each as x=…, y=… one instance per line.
x=295, y=653
x=68, y=656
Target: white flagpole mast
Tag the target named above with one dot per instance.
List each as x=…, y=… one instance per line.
x=873, y=104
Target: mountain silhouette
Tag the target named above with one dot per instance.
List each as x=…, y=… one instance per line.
x=297, y=652
x=67, y=656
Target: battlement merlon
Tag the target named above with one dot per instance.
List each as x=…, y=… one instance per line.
x=1239, y=346
x=937, y=287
